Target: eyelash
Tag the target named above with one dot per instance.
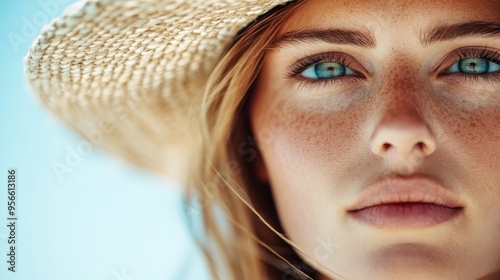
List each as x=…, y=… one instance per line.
x=483, y=53
x=302, y=64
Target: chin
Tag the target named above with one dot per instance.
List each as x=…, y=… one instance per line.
x=409, y=261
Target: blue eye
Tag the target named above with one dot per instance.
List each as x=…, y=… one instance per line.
x=327, y=70
x=474, y=65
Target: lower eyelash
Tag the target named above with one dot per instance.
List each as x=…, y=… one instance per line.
x=492, y=78
x=313, y=84
x=352, y=82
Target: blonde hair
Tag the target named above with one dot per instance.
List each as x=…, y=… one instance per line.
x=249, y=245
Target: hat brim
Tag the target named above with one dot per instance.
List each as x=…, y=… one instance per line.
x=124, y=74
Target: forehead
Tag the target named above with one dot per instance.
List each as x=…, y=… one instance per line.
x=379, y=14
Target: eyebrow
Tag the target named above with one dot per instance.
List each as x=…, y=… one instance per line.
x=366, y=39
x=332, y=36
x=467, y=29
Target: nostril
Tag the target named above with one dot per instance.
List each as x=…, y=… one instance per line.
x=421, y=146
x=427, y=148
x=385, y=147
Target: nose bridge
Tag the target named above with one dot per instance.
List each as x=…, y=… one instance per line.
x=402, y=91
x=401, y=85
x=400, y=105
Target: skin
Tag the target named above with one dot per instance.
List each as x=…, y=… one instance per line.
x=319, y=144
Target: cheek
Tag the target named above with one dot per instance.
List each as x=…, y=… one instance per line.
x=297, y=142
x=307, y=153
x=473, y=138
x=476, y=141
x=481, y=134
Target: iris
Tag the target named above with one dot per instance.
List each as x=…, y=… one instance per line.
x=327, y=70
x=474, y=65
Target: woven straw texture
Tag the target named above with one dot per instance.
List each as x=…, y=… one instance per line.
x=124, y=73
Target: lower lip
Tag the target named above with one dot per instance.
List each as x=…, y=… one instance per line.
x=405, y=215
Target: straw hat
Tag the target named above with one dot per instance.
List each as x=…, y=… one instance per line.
x=124, y=73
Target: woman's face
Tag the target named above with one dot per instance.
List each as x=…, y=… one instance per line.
x=363, y=104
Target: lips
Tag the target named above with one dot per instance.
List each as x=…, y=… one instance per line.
x=399, y=202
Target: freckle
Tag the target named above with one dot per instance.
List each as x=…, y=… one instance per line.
x=473, y=125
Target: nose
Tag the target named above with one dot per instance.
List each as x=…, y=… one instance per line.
x=403, y=141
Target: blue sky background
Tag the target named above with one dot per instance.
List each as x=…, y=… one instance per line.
x=103, y=220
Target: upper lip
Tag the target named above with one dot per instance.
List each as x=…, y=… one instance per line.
x=410, y=190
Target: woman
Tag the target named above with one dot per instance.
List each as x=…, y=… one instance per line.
x=339, y=139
